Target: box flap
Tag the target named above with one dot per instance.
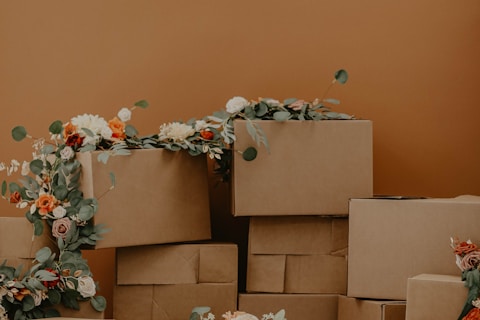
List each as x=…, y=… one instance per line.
x=218, y=263
x=266, y=273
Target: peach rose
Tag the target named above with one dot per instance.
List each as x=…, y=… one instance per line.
x=118, y=128
x=45, y=204
x=470, y=261
x=239, y=315
x=297, y=105
x=60, y=227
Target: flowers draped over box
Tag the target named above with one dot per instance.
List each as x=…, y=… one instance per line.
x=49, y=189
x=203, y=313
x=467, y=256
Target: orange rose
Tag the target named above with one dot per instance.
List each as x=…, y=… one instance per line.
x=45, y=204
x=207, y=135
x=15, y=197
x=464, y=248
x=118, y=128
x=69, y=129
x=473, y=314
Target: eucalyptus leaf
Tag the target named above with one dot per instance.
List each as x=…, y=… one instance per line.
x=37, y=227
x=262, y=109
x=289, y=101
x=19, y=133
x=85, y=213
x=43, y=254
x=142, y=104
x=341, y=76
x=332, y=101
x=281, y=115
x=130, y=130
x=280, y=315
x=249, y=154
x=56, y=127
x=47, y=149
x=54, y=296
x=36, y=166
x=60, y=192
x=87, y=147
x=4, y=188
x=112, y=179
x=28, y=303
x=99, y=303
x=103, y=157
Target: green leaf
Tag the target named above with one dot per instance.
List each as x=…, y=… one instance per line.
x=332, y=101
x=130, y=131
x=201, y=310
x=98, y=303
x=38, y=227
x=54, y=296
x=112, y=179
x=4, y=188
x=103, y=157
x=36, y=166
x=56, y=127
x=280, y=315
x=47, y=149
x=88, y=132
x=289, y=100
x=142, y=104
x=262, y=109
x=43, y=254
x=281, y=115
x=28, y=303
x=249, y=154
x=85, y=213
x=60, y=192
x=341, y=76
x=19, y=133
x=44, y=275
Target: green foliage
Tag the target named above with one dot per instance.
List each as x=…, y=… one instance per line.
x=56, y=127
x=341, y=76
x=19, y=133
x=249, y=154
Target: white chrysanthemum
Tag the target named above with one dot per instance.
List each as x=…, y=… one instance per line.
x=124, y=114
x=201, y=125
x=91, y=122
x=176, y=131
x=236, y=104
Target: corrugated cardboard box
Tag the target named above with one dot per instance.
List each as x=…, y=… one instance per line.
x=313, y=168
x=17, y=239
x=393, y=240
x=168, y=281
x=86, y=311
x=435, y=297
x=297, y=254
x=160, y=196
x=296, y=306
x=366, y=309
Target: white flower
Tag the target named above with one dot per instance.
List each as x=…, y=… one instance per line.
x=38, y=296
x=106, y=133
x=236, y=104
x=59, y=212
x=67, y=153
x=25, y=168
x=201, y=125
x=124, y=114
x=94, y=123
x=176, y=131
x=86, y=286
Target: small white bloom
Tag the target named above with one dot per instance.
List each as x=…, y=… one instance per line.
x=201, y=125
x=67, y=153
x=59, y=212
x=25, y=168
x=86, y=286
x=33, y=208
x=2, y=166
x=124, y=114
x=236, y=104
x=22, y=205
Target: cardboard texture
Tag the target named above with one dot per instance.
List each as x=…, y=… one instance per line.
x=178, y=264
x=18, y=241
x=160, y=196
x=296, y=306
x=313, y=168
x=365, y=309
x=435, y=297
x=172, y=302
x=393, y=240
x=297, y=254
x=86, y=311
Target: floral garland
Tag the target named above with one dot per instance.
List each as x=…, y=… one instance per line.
x=468, y=261
x=203, y=313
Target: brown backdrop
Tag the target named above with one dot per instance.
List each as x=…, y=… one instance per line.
x=413, y=68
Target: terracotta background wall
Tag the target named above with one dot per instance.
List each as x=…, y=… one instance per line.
x=414, y=71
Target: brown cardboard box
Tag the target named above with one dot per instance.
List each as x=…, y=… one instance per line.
x=297, y=254
x=167, y=281
x=365, y=309
x=435, y=297
x=86, y=311
x=296, y=306
x=313, y=168
x=18, y=241
x=393, y=240
x=160, y=196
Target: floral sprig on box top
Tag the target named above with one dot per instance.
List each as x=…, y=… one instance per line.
x=47, y=284
x=203, y=313
x=467, y=256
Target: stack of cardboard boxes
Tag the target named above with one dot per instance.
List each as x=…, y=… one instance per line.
x=296, y=195
x=159, y=220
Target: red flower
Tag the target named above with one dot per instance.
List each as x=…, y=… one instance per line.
x=15, y=197
x=52, y=283
x=74, y=140
x=207, y=135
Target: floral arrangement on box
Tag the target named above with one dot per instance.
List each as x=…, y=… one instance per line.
x=467, y=256
x=203, y=313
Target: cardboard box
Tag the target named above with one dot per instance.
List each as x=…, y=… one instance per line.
x=167, y=281
x=297, y=254
x=313, y=168
x=86, y=311
x=296, y=306
x=393, y=240
x=435, y=297
x=160, y=196
x=366, y=309
x=17, y=239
